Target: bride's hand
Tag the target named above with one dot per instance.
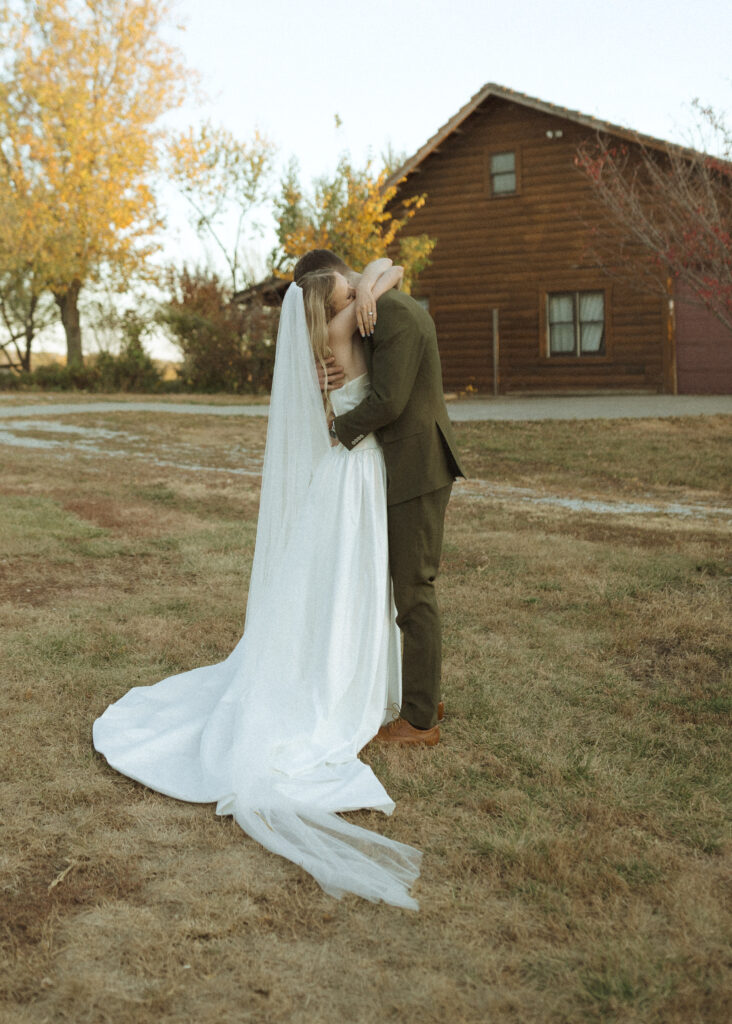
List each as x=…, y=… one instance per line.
x=365, y=309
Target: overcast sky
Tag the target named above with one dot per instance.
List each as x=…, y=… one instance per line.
x=395, y=70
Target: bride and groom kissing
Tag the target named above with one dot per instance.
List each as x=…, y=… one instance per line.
x=348, y=545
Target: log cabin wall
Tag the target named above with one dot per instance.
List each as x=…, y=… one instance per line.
x=508, y=251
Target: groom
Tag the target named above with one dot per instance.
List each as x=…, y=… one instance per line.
x=406, y=408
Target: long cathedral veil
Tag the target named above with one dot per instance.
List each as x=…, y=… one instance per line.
x=297, y=439
x=276, y=811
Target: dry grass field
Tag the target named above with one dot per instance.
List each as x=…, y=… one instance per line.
x=573, y=819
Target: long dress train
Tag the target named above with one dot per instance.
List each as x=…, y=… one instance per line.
x=272, y=733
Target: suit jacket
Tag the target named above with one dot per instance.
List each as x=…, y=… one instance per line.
x=406, y=406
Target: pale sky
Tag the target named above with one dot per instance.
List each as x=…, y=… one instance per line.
x=395, y=71
x=398, y=70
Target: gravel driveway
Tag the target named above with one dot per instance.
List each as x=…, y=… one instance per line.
x=506, y=407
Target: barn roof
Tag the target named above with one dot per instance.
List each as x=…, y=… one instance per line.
x=271, y=291
x=501, y=92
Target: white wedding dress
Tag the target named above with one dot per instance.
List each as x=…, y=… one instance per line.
x=272, y=734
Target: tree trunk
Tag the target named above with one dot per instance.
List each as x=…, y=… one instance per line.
x=25, y=356
x=30, y=333
x=68, y=303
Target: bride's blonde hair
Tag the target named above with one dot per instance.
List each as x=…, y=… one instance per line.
x=317, y=287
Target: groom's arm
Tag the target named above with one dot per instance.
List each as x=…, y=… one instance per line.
x=398, y=347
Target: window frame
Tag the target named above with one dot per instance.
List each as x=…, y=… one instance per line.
x=489, y=153
x=574, y=359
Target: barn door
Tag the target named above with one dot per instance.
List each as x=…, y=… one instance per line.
x=703, y=348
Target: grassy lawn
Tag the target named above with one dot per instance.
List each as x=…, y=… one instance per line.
x=634, y=457
x=573, y=818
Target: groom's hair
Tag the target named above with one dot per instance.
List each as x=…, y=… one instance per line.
x=319, y=259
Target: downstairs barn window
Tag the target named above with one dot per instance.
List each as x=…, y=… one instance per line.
x=576, y=323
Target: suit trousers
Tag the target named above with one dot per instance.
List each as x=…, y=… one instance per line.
x=416, y=529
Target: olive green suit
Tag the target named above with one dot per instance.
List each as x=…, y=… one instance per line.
x=406, y=409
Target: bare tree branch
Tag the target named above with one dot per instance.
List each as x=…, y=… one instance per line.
x=676, y=205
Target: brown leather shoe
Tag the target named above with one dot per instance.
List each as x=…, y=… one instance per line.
x=400, y=731
x=440, y=711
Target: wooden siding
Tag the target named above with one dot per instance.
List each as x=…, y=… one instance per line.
x=703, y=348
x=508, y=251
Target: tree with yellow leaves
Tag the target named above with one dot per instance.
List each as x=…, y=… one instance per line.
x=83, y=84
x=352, y=213
x=224, y=180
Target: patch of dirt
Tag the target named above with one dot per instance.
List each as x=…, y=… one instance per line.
x=34, y=585
x=685, y=676
x=626, y=533
x=51, y=884
x=121, y=516
x=103, y=512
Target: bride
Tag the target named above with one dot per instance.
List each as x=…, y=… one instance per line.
x=272, y=733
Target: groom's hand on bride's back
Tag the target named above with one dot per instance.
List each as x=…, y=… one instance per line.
x=336, y=375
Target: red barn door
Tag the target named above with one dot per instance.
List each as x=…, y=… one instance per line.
x=703, y=348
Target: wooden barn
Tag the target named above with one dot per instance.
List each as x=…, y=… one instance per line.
x=519, y=301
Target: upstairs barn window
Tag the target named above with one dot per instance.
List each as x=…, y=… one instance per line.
x=576, y=323
x=503, y=173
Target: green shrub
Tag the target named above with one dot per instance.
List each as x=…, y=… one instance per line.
x=10, y=380
x=55, y=377
x=224, y=347
x=131, y=370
